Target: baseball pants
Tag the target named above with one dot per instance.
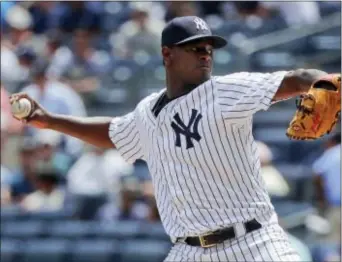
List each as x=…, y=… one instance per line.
x=270, y=243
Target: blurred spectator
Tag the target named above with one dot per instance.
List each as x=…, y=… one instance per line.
x=276, y=185
x=296, y=12
x=327, y=179
x=141, y=33
x=45, y=15
x=24, y=176
x=211, y=8
x=59, y=56
x=49, y=151
x=148, y=196
x=94, y=179
x=4, y=7
x=177, y=9
x=98, y=172
x=18, y=34
x=130, y=206
x=47, y=196
x=26, y=58
x=57, y=98
x=86, y=63
x=251, y=8
x=19, y=23
x=77, y=14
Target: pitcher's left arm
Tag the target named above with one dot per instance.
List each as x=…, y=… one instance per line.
x=297, y=82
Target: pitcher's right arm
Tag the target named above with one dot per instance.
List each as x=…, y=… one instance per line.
x=92, y=130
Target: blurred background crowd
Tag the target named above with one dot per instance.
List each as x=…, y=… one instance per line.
x=66, y=201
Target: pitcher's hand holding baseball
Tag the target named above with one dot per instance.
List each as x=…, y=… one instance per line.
x=33, y=114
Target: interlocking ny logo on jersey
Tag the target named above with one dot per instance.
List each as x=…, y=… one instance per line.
x=200, y=24
x=181, y=129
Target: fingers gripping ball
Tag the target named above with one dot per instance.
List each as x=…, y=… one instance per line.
x=21, y=108
x=318, y=110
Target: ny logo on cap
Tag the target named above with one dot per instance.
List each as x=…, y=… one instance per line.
x=200, y=24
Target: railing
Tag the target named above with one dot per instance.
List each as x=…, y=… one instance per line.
x=262, y=42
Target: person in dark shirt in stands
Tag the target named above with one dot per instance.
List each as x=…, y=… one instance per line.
x=24, y=176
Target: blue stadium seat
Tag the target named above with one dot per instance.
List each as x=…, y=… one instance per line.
x=294, y=171
x=274, y=117
x=329, y=7
x=12, y=213
x=23, y=229
x=95, y=250
x=49, y=216
x=118, y=230
x=145, y=251
x=266, y=61
x=153, y=77
x=227, y=60
x=72, y=229
x=9, y=250
x=293, y=214
x=229, y=27
x=115, y=14
x=329, y=40
x=258, y=26
x=154, y=231
x=276, y=139
x=44, y=250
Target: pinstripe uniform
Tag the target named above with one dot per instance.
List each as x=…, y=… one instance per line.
x=205, y=167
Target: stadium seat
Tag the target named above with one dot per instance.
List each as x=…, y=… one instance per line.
x=257, y=26
x=23, y=229
x=153, y=78
x=329, y=40
x=145, y=251
x=49, y=216
x=115, y=14
x=266, y=61
x=12, y=213
x=227, y=60
x=227, y=28
x=9, y=250
x=84, y=207
x=271, y=135
x=329, y=7
x=118, y=230
x=72, y=229
x=154, y=231
x=95, y=250
x=274, y=117
x=51, y=250
x=293, y=214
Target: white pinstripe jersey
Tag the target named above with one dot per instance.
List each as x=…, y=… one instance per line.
x=201, y=153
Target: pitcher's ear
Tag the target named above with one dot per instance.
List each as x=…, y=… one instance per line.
x=167, y=55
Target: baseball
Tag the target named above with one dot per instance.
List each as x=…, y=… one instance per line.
x=21, y=108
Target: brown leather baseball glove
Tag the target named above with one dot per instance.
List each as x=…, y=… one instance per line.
x=318, y=110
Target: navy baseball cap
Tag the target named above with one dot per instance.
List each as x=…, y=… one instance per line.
x=185, y=29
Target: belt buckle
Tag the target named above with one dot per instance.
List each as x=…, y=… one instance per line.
x=203, y=241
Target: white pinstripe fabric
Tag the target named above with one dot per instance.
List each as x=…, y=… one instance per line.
x=270, y=243
x=217, y=182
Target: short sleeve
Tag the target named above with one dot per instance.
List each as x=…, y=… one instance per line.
x=125, y=135
x=243, y=94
